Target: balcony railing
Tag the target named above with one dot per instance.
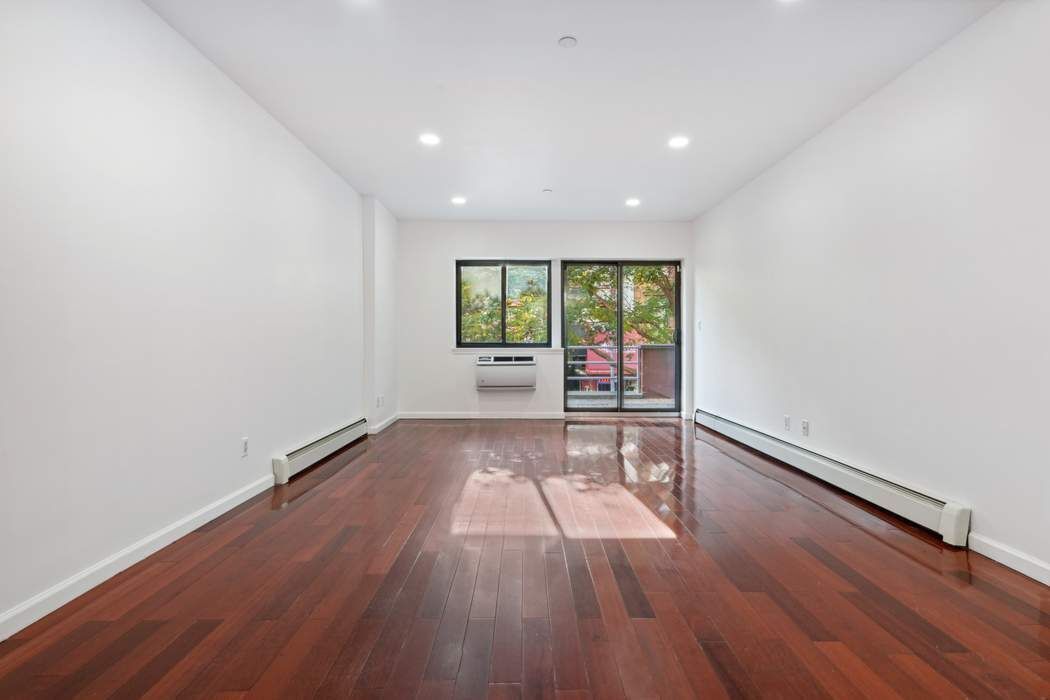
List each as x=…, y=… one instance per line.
x=582, y=360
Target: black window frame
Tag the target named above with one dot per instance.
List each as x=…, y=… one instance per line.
x=460, y=264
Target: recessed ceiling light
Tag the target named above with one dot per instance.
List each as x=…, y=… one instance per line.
x=633, y=202
x=548, y=190
x=567, y=42
x=678, y=142
x=429, y=139
x=459, y=200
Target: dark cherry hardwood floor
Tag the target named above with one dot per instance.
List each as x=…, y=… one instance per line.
x=571, y=559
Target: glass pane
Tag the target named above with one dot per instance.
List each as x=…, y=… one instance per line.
x=526, y=303
x=591, y=336
x=481, y=299
x=649, y=352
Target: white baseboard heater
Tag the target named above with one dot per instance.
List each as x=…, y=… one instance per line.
x=286, y=466
x=950, y=520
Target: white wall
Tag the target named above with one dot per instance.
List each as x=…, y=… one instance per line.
x=381, y=317
x=436, y=380
x=176, y=272
x=889, y=282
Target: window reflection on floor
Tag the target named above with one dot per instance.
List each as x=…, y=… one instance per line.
x=588, y=444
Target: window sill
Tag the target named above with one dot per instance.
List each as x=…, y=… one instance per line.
x=508, y=351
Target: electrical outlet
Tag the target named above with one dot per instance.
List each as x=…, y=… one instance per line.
x=787, y=423
x=805, y=427
x=380, y=400
x=244, y=447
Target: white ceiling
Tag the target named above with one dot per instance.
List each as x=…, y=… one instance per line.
x=747, y=80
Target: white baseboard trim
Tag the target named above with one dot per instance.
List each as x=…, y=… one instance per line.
x=951, y=520
x=622, y=414
x=527, y=415
x=461, y=415
x=514, y=351
x=380, y=427
x=1014, y=558
x=29, y=611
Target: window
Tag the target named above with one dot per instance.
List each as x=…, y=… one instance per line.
x=504, y=303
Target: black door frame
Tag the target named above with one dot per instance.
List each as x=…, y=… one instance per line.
x=619, y=339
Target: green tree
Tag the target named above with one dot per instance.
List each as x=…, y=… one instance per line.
x=591, y=301
x=649, y=308
x=480, y=305
x=526, y=304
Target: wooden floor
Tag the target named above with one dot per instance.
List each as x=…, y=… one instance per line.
x=568, y=559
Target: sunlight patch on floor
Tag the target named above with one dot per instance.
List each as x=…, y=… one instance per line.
x=501, y=503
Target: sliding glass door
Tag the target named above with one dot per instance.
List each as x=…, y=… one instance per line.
x=650, y=336
x=620, y=330
x=591, y=335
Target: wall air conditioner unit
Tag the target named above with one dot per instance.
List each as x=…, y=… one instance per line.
x=505, y=372
x=286, y=466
